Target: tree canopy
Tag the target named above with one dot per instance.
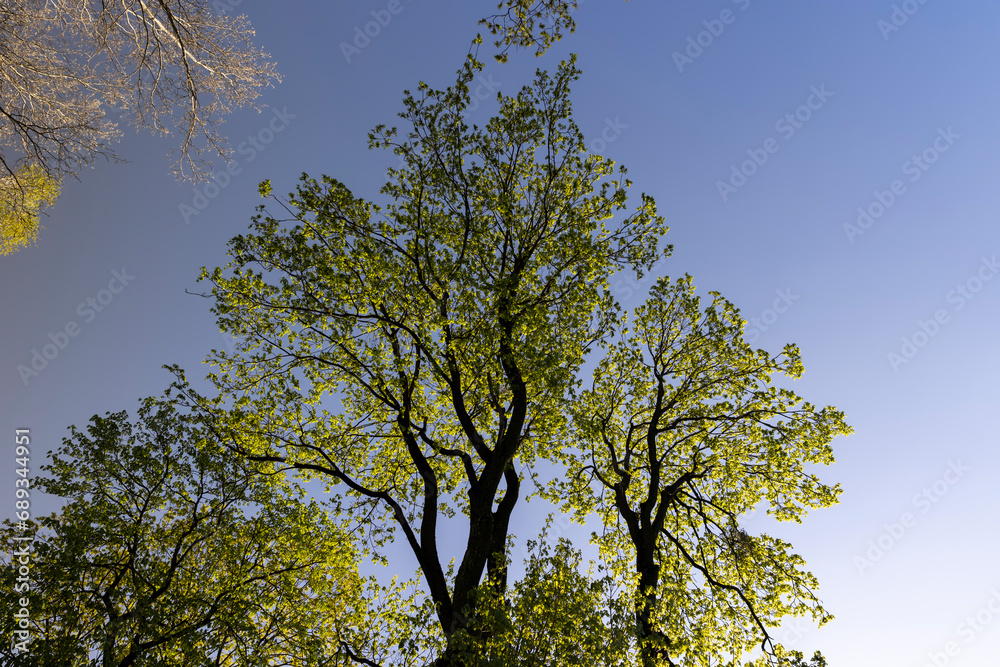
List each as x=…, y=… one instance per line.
x=168, y=66
x=423, y=357
x=169, y=62
x=450, y=326
x=23, y=196
x=169, y=551
x=680, y=435
x=536, y=24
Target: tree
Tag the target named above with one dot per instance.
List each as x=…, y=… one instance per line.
x=170, y=552
x=449, y=327
x=522, y=24
x=560, y=616
x=680, y=435
x=160, y=62
x=796, y=660
x=534, y=24
x=446, y=328
x=22, y=197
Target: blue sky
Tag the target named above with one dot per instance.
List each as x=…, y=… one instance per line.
x=900, y=123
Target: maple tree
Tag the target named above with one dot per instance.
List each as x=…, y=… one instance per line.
x=422, y=357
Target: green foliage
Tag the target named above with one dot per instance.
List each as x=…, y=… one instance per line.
x=795, y=659
x=530, y=23
x=421, y=356
x=22, y=198
x=447, y=328
x=680, y=435
x=562, y=617
x=534, y=24
x=170, y=552
x=790, y=659
x=556, y=615
x=447, y=325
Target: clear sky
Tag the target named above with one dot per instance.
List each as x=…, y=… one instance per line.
x=761, y=129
